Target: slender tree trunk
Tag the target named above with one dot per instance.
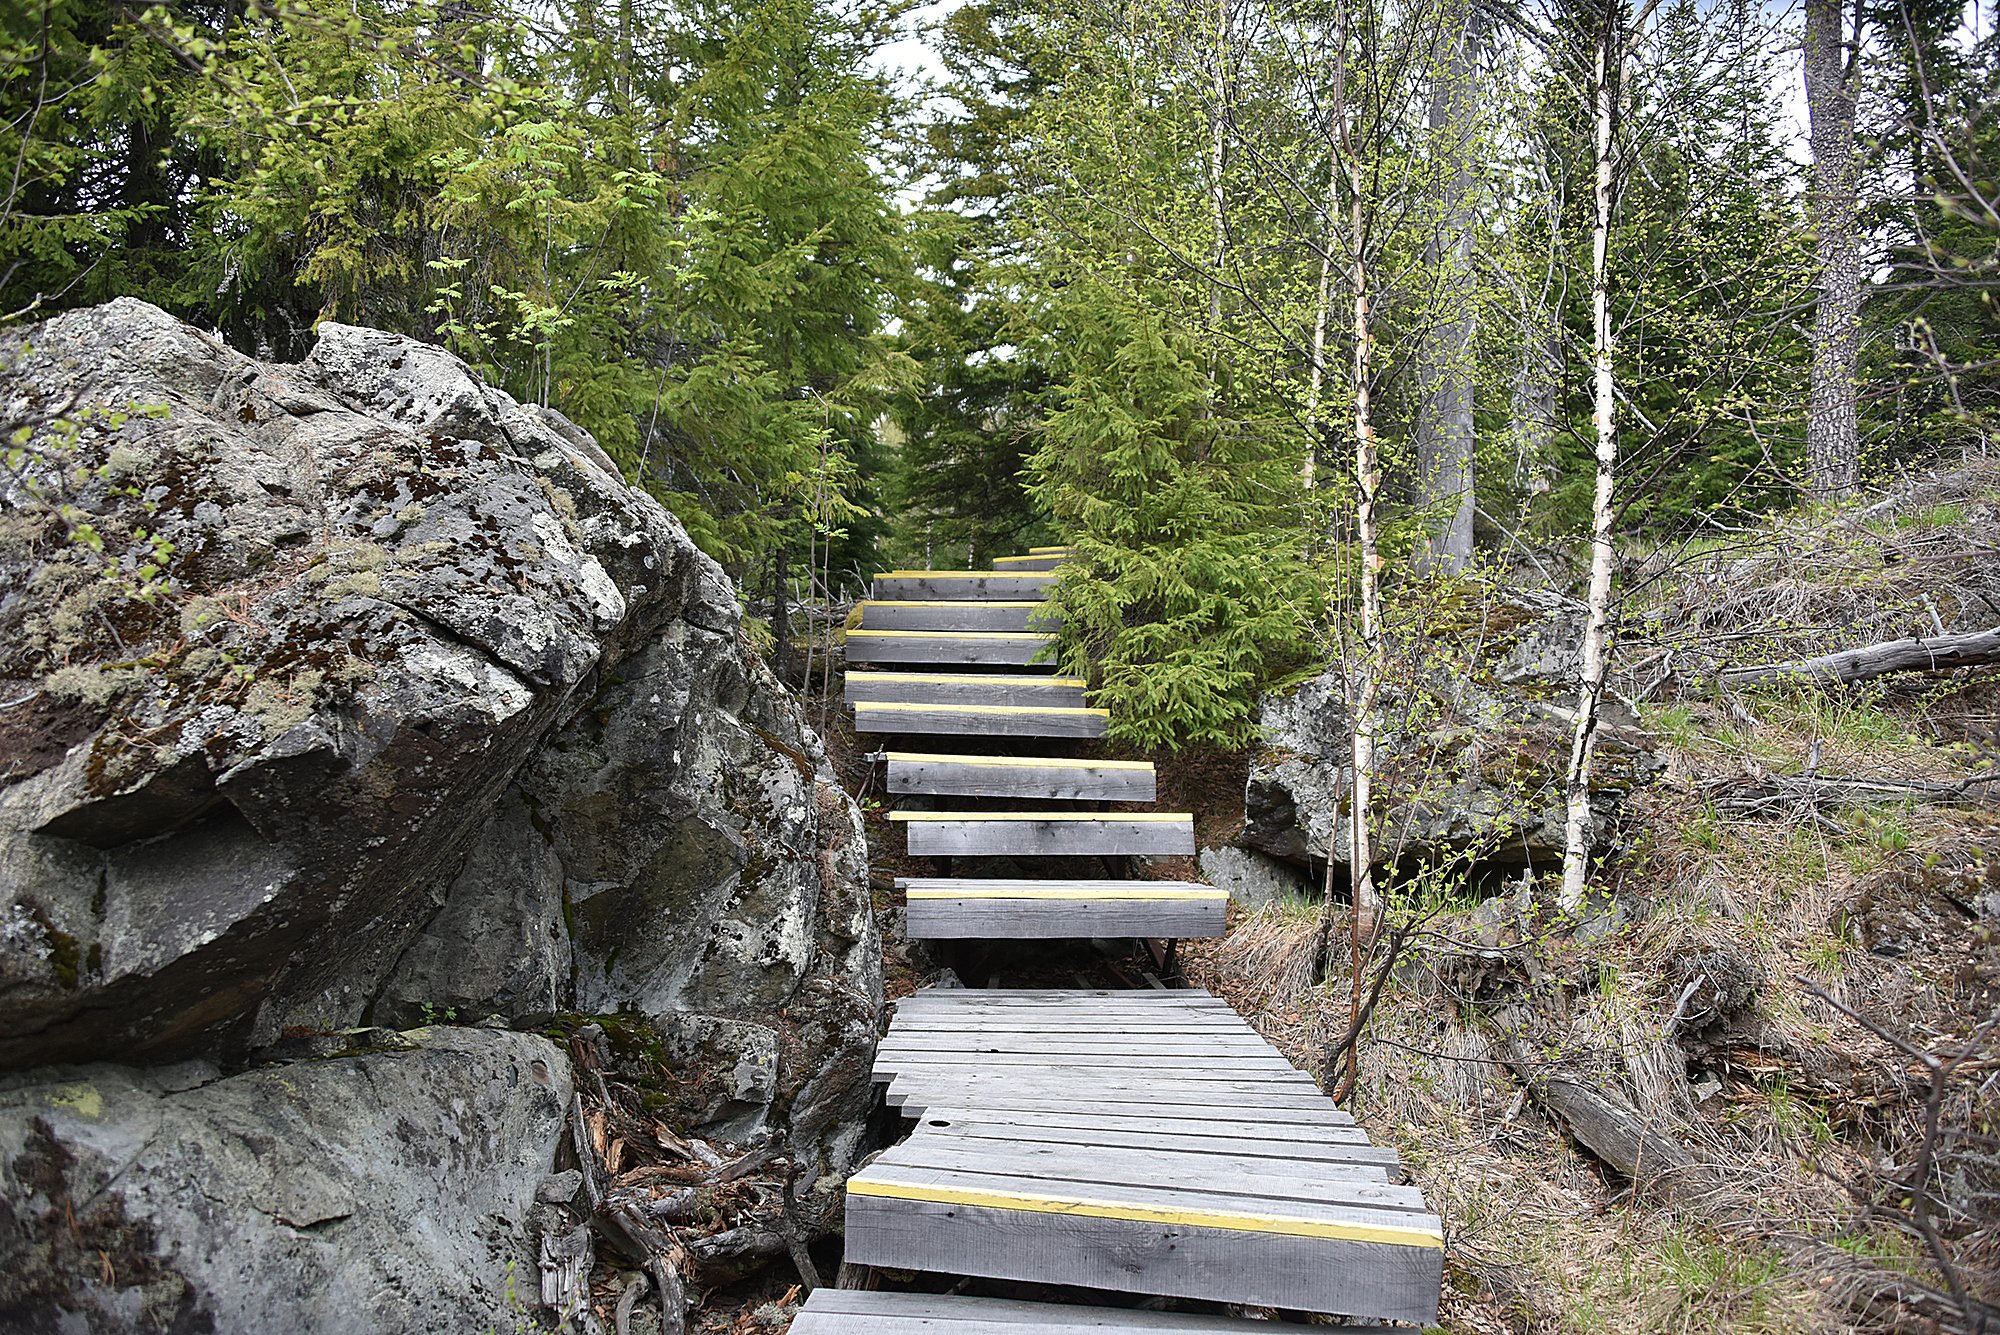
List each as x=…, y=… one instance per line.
x=1218, y=201
x=1833, y=436
x=1322, y=313
x=1444, y=435
x=1365, y=903
x=781, y=615
x=1578, y=826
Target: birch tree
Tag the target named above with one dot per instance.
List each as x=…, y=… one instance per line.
x=1606, y=95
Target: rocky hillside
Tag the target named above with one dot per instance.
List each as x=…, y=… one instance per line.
x=358, y=728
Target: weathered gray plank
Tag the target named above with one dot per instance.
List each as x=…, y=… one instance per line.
x=922, y=1059
x=959, y=614
x=1046, y=920
x=1366, y=1279
x=1194, y=1172
x=965, y=688
x=1319, y=1148
x=975, y=648
x=1264, y=1090
x=1069, y=998
x=1033, y=561
x=979, y=585
x=960, y=1315
x=1072, y=1043
x=1340, y=1129
x=980, y=720
x=1017, y=834
x=1048, y=779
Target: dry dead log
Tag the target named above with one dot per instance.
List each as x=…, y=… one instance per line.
x=1605, y=1123
x=1930, y=653
x=1749, y=796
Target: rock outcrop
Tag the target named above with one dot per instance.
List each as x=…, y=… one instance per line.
x=357, y=693
x=375, y=1192
x=1474, y=738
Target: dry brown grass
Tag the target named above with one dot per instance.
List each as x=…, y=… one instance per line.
x=1791, y=1097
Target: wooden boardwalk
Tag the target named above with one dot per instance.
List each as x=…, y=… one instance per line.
x=1142, y=1142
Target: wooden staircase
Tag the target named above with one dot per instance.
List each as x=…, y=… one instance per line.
x=992, y=627
x=1139, y=1142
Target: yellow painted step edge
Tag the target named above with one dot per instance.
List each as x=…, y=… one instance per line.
x=956, y=635
x=1049, y=551
x=965, y=574
x=1400, y=1235
x=1032, y=556
x=982, y=709
x=1024, y=761
x=1162, y=816
x=1103, y=896
x=949, y=602
x=988, y=679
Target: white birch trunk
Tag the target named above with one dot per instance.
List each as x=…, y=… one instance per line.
x=1578, y=826
x=1322, y=313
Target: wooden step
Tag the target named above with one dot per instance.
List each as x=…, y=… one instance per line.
x=951, y=909
x=975, y=648
x=1365, y=1249
x=1021, y=776
x=866, y=1312
x=1045, y=833
x=1034, y=561
x=977, y=585
x=980, y=720
x=948, y=614
x=950, y=688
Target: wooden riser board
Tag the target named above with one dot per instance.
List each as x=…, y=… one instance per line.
x=979, y=720
x=949, y=834
x=948, y=614
x=968, y=688
x=1364, y=1279
x=859, y=1312
x=1048, y=920
x=984, y=586
x=1047, y=779
x=978, y=648
x=1011, y=563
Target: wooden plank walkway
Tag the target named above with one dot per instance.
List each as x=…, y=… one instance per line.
x=1215, y=1171
x=1144, y=1142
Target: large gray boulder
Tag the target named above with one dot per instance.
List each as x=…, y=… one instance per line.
x=354, y=692
x=1473, y=740
x=378, y=1192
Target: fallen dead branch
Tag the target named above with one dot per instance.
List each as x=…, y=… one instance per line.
x=1932, y=653
x=1751, y=795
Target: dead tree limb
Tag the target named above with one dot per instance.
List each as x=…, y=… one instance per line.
x=1931, y=653
x=1752, y=795
x=1636, y=1146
